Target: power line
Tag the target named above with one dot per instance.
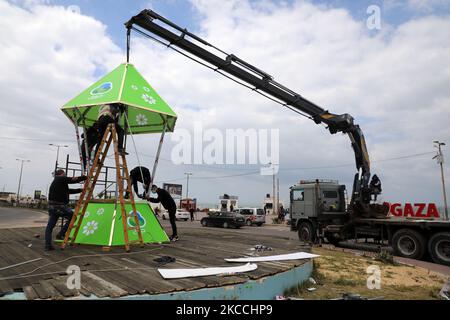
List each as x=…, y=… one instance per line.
x=254, y=89
x=33, y=139
x=304, y=168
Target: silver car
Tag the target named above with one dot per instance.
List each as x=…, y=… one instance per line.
x=253, y=216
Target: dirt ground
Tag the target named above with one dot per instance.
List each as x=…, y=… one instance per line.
x=337, y=273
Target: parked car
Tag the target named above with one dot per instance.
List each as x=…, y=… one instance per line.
x=253, y=216
x=223, y=219
x=179, y=215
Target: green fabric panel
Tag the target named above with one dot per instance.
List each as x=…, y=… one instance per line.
x=146, y=109
x=103, y=91
x=97, y=223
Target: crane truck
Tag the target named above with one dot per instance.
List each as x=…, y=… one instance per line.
x=318, y=208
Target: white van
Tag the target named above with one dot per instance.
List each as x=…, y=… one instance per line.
x=252, y=216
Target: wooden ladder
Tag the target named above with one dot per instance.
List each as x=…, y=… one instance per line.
x=89, y=186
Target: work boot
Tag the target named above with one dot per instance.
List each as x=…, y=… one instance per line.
x=122, y=152
x=61, y=237
x=173, y=238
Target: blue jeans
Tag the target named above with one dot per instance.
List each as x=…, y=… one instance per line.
x=56, y=212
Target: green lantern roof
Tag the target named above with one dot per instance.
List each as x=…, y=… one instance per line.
x=147, y=111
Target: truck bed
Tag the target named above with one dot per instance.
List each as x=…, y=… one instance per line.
x=405, y=222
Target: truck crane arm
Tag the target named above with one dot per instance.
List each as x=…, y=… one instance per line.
x=263, y=82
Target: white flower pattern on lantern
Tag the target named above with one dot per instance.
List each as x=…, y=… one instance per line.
x=100, y=211
x=146, y=89
x=86, y=214
x=148, y=98
x=90, y=227
x=134, y=87
x=141, y=119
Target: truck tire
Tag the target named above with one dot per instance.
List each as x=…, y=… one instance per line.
x=204, y=222
x=439, y=248
x=409, y=243
x=225, y=225
x=248, y=222
x=306, y=232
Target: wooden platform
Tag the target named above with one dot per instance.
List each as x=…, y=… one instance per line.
x=119, y=274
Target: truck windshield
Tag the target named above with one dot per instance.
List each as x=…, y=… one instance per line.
x=298, y=195
x=260, y=212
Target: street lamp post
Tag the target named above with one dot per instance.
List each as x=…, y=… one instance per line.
x=187, y=183
x=20, y=177
x=57, y=153
x=440, y=159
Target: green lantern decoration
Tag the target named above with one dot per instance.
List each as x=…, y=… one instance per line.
x=145, y=112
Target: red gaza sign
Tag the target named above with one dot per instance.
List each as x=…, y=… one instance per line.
x=417, y=210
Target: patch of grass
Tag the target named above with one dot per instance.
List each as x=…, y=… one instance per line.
x=385, y=257
x=348, y=282
x=338, y=272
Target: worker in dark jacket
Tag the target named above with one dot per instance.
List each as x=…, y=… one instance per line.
x=58, y=205
x=110, y=114
x=375, y=186
x=142, y=175
x=168, y=203
x=92, y=139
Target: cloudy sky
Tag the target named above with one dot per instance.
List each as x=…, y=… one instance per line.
x=394, y=81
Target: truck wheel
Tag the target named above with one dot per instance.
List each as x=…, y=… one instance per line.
x=409, y=244
x=306, y=232
x=248, y=223
x=439, y=248
x=225, y=225
x=204, y=223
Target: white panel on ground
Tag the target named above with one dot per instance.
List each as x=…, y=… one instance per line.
x=280, y=257
x=202, y=272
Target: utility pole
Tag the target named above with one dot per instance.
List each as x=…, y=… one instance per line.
x=57, y=153
x=20, y=177
x=278, y=194
x=273, y=187
x=440, y=160
x=187, y=183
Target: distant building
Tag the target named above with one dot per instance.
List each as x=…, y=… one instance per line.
x=188, y=204
x=228, y=203
x=268, y=204
x=8, y=197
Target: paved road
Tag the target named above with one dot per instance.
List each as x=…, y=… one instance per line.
x=21, y=218
x=280, y=231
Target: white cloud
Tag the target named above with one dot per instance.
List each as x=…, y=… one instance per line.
x=394, y=83
x=47, y=55
x=420, y=6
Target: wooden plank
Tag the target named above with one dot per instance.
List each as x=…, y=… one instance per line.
x=5, y=288
x=113, y=290
x=29, y=292
x=41, y=291
x=60, y=285
x=123, y=283
x=48, y=287
x=93, y=286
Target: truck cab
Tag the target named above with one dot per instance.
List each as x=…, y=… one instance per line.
x=317, y=206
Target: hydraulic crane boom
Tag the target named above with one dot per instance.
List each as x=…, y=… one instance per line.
x=263, y=82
